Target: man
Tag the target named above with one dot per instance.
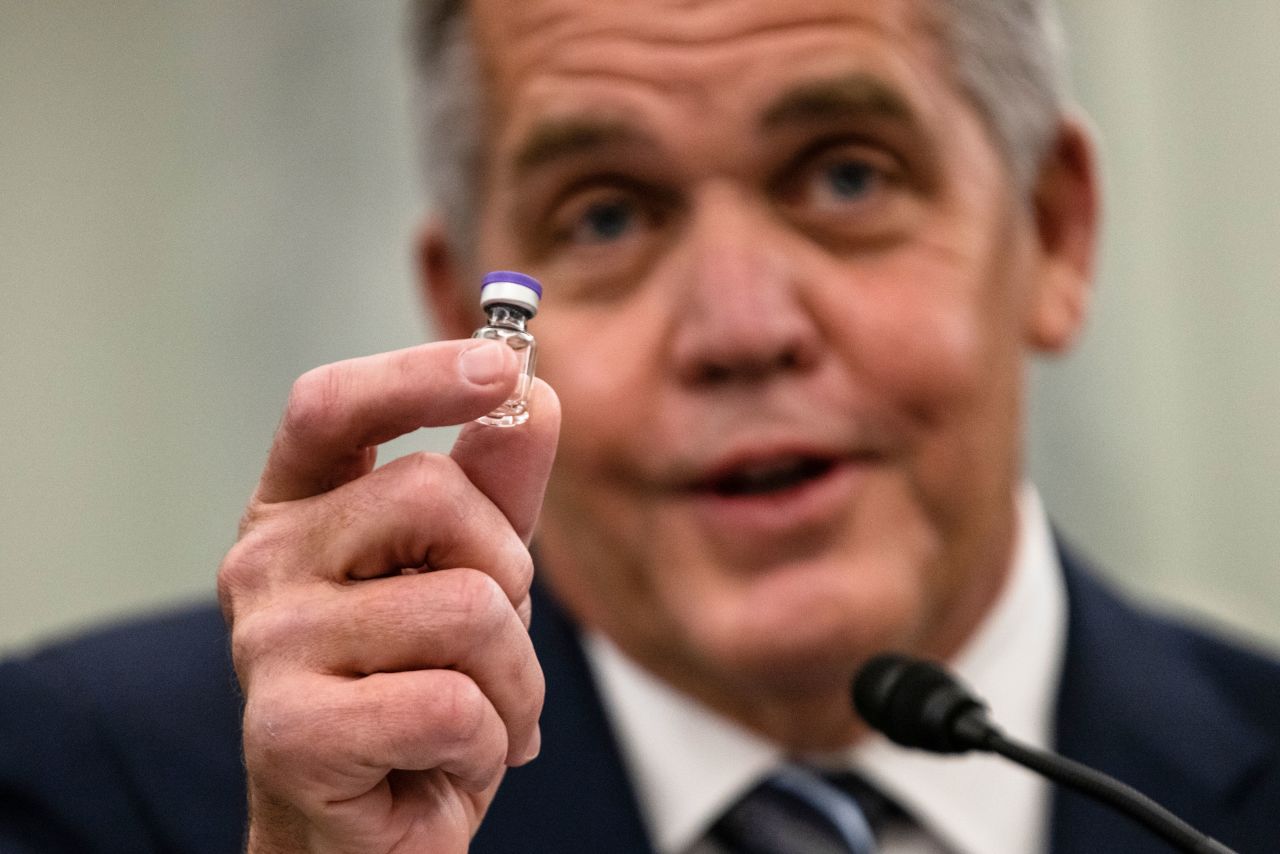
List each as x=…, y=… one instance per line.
x=795, y=257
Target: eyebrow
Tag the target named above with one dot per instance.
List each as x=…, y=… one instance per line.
x=561, y=139
x=854, y=96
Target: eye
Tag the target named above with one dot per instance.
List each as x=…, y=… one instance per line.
x=847, y=193
x=848, y=179
x=838, y=180
x=604, y=221
x=604, y=216
x=602, y=232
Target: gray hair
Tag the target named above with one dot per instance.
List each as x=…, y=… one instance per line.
x=1007, y=56
x=450, y=114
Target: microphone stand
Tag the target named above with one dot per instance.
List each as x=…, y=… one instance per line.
x=1104, y=788
x=918, y=704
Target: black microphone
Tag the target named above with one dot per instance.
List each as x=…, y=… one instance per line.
x=918, y=704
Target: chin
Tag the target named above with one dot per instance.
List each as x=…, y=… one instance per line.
x=806, y=628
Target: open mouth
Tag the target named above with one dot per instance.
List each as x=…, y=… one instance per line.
x=765, y=477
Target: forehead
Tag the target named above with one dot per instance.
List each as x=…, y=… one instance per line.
x=700, y=59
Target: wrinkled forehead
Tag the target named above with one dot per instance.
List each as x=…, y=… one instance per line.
x=705, y=58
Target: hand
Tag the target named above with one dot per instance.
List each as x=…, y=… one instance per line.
x=379, y=616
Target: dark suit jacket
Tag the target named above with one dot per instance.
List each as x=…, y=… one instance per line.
x=127, y=741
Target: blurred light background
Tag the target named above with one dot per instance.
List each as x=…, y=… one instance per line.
x=200, y=201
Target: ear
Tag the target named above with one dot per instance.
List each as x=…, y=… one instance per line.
x=1066, y=203
x=442, y=283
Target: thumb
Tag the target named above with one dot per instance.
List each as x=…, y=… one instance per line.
x=511, y=465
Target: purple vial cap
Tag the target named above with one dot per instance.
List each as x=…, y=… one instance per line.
x=514, y=278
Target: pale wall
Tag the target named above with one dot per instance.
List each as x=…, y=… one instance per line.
x=200, y=201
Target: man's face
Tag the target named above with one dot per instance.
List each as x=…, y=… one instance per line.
x=788, y=291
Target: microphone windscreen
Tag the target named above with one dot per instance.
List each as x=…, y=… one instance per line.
x=915, y=703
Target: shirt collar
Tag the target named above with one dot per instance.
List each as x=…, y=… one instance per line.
x=689, y=764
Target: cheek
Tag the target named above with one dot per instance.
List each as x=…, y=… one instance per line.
x=940, y=340
x=603, y=365
x=935, y=339
x=919, y=338
x=934, y=325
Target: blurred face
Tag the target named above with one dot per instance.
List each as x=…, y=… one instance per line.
x=788, y=293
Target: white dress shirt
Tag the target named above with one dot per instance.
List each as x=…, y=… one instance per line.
x=689, y=764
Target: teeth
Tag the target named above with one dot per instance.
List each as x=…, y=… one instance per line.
x=770, y=477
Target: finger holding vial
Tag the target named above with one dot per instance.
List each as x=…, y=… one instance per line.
x=379, y=614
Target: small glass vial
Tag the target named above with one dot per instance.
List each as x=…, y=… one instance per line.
x=510, y=300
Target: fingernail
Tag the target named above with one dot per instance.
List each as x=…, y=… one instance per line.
x=535, y=744
x=482, y=364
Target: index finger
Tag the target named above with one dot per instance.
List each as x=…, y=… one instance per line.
x=338, y=414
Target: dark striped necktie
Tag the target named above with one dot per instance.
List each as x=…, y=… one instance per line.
x=799, y=811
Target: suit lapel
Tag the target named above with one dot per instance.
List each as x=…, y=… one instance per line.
x=575, y=797
x=1135, y=702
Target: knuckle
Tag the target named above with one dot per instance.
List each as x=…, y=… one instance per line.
x=522, y=574
x=525, y=672
x=256, y=635
x=237, y=575
x=432, y=475
x=443, y=489
x=479, y=600
x=277, y=732
x=248, y=563
x=491, y=759
x=314, y=401
x=537, y=690
x=464, y=709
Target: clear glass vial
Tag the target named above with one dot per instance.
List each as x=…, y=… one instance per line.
x=510, y=300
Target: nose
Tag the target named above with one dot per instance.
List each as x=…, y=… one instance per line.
x=740, y=316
